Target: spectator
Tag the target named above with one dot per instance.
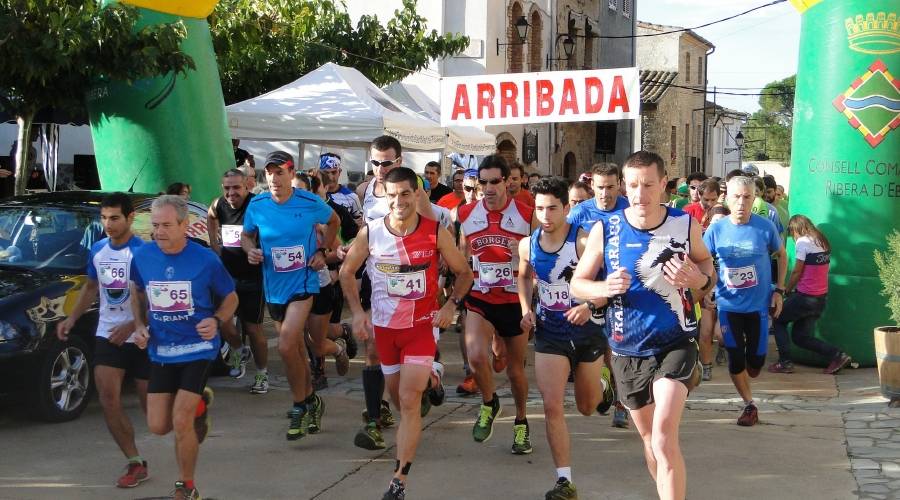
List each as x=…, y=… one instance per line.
x=180, y=189
x=433, y=174
x=579, y=192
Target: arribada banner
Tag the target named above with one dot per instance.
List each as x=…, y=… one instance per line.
x=544, y=97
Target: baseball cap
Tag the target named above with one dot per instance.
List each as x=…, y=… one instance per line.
x=329, y=161
x=750, y=169
x=280, y=159
x=471, y=172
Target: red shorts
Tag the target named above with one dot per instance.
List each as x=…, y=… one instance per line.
x=413, y=346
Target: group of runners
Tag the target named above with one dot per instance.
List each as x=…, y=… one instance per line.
x=609, y=289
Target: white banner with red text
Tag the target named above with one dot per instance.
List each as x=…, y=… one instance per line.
x=543, y=97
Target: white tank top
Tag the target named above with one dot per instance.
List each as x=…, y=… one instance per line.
x=374, y=207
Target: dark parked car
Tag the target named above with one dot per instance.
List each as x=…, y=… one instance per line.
x=45, y=240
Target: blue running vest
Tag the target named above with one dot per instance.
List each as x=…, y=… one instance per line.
x=652, y=315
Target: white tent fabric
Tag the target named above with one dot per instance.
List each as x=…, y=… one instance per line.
x=333, y=104
x=467, y=140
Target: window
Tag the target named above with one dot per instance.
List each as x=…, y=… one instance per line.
x=515, y=49
x=687, y=141
x=612, y=4
x=606, y=138
x=673, y=142
x=700, y=70
x=588, y=53
x=535, y=42
x=687, y=68
x=626, y=9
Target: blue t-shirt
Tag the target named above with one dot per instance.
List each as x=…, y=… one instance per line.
x=745, y=270
x=182, y=290
x=287, y=236
x=587, y=213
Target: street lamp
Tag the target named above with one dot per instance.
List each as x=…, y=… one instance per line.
x=521, y=31
x=568, y=48
x=739, y=141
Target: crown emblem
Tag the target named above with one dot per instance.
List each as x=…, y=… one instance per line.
x=874, y=33
x=872, y=103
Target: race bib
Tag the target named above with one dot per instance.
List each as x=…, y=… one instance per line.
x=495, y=274
x=113, y=275
x=554, y=297
x=741, y=277
x=170, y=296
x=231, y=236
x=408, y=286
x=287, y=259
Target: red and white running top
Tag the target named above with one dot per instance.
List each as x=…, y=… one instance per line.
x=488, y=236
x=404, y=274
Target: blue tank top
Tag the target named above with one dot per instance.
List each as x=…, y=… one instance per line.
x=553, y=271
x=652, y=315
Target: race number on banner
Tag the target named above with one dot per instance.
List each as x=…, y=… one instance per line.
x=544, y=97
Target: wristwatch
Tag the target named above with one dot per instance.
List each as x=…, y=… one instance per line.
x=780, y=291
x=218, y=321
x=456, y=301
x=707, y=285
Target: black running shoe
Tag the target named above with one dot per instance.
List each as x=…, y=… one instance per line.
x=347, y=335
x=396, y=491
x=436, y=393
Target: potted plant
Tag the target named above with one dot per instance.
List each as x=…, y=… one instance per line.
x=887, y=338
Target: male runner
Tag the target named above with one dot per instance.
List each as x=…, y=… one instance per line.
x=115, y=354
x=655, y=262
x=743, y=244
x=515, y=185
x=284, y=223
x=565, y=339
x=433, y=175
x=468, y=386
x=606, y=181
x=453, y=199
x=385, y=154
x=330, y=172
x=224, y=222
x=491, y=229
x=401, y=252
x=182, y=296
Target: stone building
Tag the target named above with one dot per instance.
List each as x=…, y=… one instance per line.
x=673, y=68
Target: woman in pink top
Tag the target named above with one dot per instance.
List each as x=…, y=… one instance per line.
x=809, y=280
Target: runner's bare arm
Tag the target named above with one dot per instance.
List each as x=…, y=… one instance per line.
x=248, y=243
x=212, y=228
x=463, y=276
x=329, y=239
x=139, y=311
x=778, y=298
x=584, y=283
x=86, y=297
x=423, y=206
x=208, y=328
x=699, y=266
x=525, y=282
x=580, y=244
x=361, y=190
x=356, y=256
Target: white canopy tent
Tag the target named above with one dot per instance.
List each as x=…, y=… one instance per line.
x=338, y=105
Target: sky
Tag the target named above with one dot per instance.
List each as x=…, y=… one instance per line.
x=751, y=50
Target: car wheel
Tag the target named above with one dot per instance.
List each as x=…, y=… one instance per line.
x=64, y=381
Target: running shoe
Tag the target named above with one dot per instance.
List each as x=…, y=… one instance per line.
x=298, y=425
x=468, y=387
x=436, y=394
x=706, y=372
x=425, y=405
x=237, y=363
x=314, y=415
x=369, y=437
x=609, y=395
x=521, y=439
x=387, y=418
x=347, y=335
x=721, y=356
x=202, y=422
x=342, y=358
x=563, y=490
x=499, y=363
x=135, y=474
x=320, y=382
x=182, y=492
x=840, y=361
x=396, y=491
x=484, y=424
x=620, y=416
x=749, y=417
x=317, y=371
x=782, y=367
x=260, y=384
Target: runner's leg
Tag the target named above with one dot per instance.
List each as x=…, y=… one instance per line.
x=671, y=474
x=291, y=345
x=551, y=372
x=413, y=379
x=186, y=446
x=478, y=347
x=516, y=349
x=109, y=391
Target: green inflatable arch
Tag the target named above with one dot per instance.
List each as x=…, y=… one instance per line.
x=845, y=168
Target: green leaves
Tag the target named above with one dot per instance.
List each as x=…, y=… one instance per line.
x=264, y=44
x=772, y=138
x=888, y=263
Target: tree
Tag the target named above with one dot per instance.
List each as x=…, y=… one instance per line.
x=56, y=51
x=264, y=44
x=769, y=132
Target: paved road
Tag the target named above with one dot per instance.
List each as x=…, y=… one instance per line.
x=799, y=449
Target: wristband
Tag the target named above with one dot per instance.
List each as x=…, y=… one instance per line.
x=780, y=291
x=218, y=321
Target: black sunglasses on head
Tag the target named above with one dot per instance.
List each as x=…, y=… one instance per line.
x=492, y=182
x=385, y=163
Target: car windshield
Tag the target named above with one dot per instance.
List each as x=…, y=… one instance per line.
x=47, y=237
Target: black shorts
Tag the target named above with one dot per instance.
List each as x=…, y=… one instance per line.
x=635, y=375
x=250, y=302
x=128, y=357
x=277, y=311
x=746, y=337
x=505, y=318
x=337, y=307
x=586, y=350
x=169, y=378
x=323, y=302
x=365, y=292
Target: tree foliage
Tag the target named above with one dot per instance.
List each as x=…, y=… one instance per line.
x=55, y=51
x=768, y=135
x=264, y=44
x=888, y=263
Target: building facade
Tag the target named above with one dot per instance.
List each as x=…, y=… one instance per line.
x=673, y=95
x=723, y=126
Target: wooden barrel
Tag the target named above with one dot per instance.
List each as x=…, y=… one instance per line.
x=887, y=354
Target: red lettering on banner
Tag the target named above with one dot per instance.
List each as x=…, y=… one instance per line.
x=544, y=97
x=569, y=102
x=593, y=84
x=618, y=97
x=508, y=94
x=527, y=98
x=485, y=100
x=461, y=104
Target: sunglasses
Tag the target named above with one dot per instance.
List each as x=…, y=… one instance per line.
x=385, y=163
x=492, y=182
x=469, y=189
x=694, y=188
